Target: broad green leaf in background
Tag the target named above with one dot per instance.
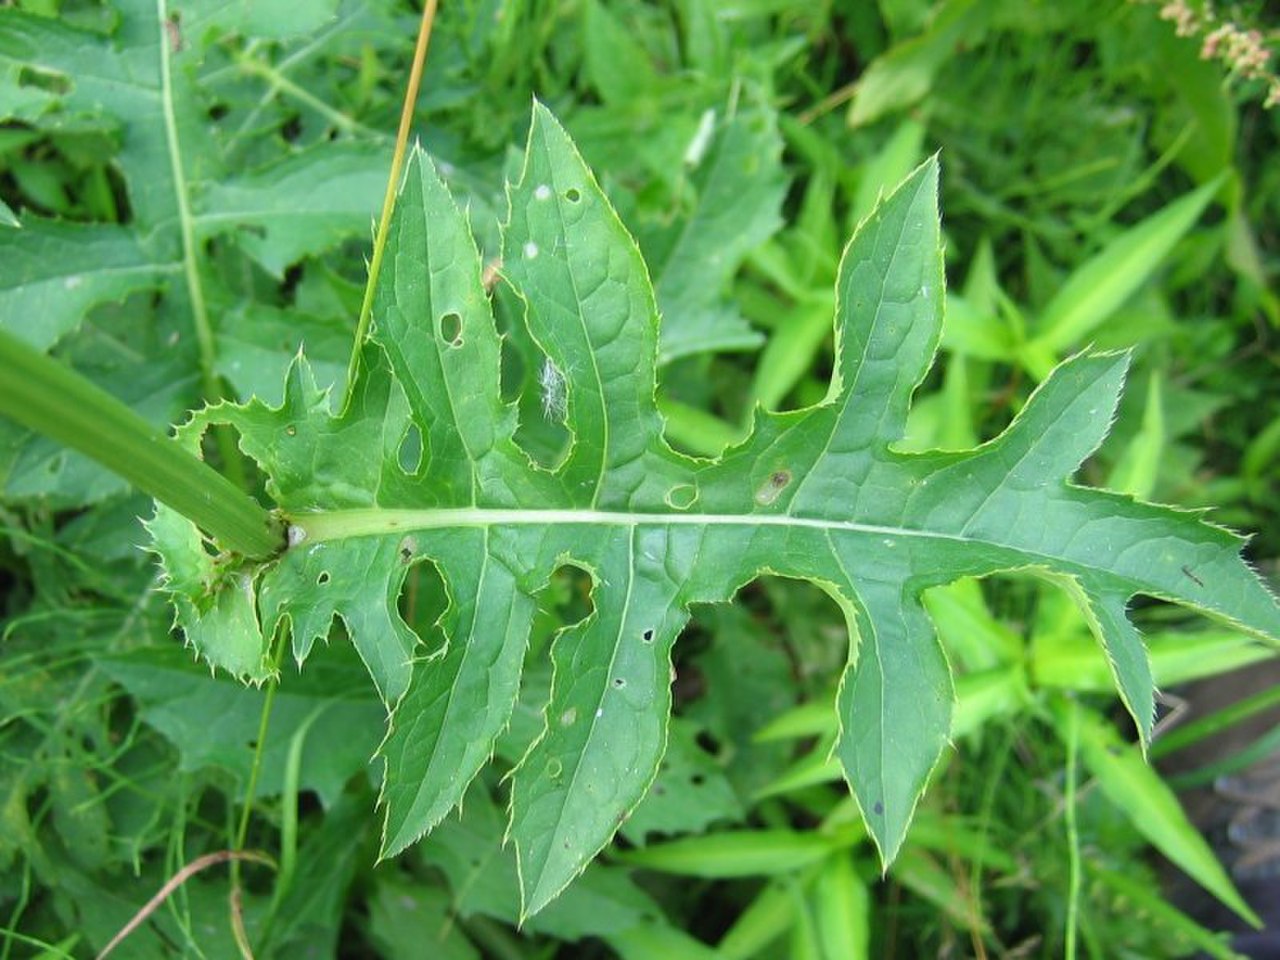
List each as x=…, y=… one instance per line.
x=740, y=186
x=818, y=494
x=141, y=305
x=214, y=721
x=1101, y=285
x=1134, y=787
x=903, y=75
x=143, y=83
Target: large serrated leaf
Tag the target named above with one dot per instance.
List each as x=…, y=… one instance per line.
x=819, y=494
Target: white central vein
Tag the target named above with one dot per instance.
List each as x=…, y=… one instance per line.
x=344, y=524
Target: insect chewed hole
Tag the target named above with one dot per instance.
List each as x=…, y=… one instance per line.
x=47, y=80
x=291, y=128
x=528, y=383
x=221, y=443
x=410, y=452
x=543, y=432
x=708, y=743
x=423, y=595
x=572, y=195
x=119, y=194
x=566, y=598
x=450, y=328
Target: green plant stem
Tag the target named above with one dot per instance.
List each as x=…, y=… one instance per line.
x=209, y=385
x=264, y=722
x=191, y=270
x=50, y=398
x=259, y=748
x=279, y=82
x=393, y=188
x=1073, y=833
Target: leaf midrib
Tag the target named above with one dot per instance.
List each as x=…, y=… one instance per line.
x=334, y=525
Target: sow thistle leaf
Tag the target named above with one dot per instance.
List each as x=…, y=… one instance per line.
x=818, y=494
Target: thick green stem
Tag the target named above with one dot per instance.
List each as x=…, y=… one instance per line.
x=50, y=398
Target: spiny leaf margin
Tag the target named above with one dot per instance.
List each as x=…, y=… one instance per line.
x=819, y=494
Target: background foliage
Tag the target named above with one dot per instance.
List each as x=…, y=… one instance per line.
x=1100, y=184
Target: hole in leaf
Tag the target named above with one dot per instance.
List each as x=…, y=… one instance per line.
x=572, y=195
x=571, y=588
x=709, y=403
x=119, y=192
x=410, y=453
x=706, y=741
x=784, y=632
x=291, y=129
x=221, y=443
x=450, y=328
x=47, y=80
x=647, y=636
x=218, y=111
x=423, y=597
x=514, y=369
x=534, y=384
x=323, y=578
x=619, y=683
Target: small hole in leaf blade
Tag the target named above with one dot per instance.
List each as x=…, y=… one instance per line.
x=450, y=328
